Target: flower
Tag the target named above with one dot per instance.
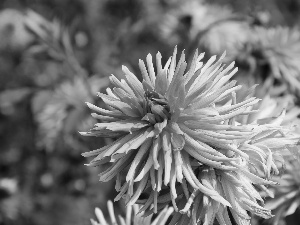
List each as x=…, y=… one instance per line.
x=279, y=48
x=133, y=217
x=286, y=195
x=13, y=33
x=177, y=126
x=155, y=121
x=56, y=111
x=216, y=28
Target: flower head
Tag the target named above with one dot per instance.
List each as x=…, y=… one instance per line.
x=13, y=33
x=212, y=27
x=133, y=217
x=280, y=48
x=286, y=195
x=56, y=111
x=175, y=124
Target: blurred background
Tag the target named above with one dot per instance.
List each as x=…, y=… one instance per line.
x=56, y=54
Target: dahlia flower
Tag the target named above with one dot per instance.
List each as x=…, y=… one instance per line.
x=280, y=48
x=132, y=216
x=56, y=111
x=176, y=134
x=13, y=33
x=216, y=28
x=286, y=195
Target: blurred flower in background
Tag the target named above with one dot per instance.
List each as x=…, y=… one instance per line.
x=286, y=198
x=13, y=33
x=58, y=112
x=195, y=22
x=279, y=49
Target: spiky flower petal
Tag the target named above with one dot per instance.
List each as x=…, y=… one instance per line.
x=133, y=217
x=241, y=187
x=285, y=196
x=236, y=187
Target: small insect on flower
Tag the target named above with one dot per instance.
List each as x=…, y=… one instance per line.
x=174, y=127
x=132, y=216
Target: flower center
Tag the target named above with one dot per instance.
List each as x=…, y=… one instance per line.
x=157, y=105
